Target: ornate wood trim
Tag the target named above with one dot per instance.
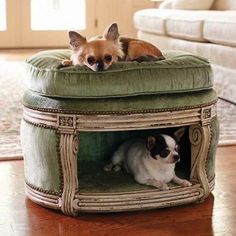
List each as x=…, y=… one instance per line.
x=95, y=202
x=207, y=113
x=69, y=145
x=42, y=198
x=123, y=201
x=200, y=137
x=113, y=122
x=44, y=191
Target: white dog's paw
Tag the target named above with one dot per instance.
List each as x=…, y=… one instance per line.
x=111, y=167
x=164, y=187
x=186, y=183
x=116, y=168
x=108, y=167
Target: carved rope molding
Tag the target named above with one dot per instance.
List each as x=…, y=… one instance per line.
x=200, y=137
x=69, y=146
x=113, y=122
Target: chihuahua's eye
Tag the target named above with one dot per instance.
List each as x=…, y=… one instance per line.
x=108, y=58
x=164, y=153
x=91, y=60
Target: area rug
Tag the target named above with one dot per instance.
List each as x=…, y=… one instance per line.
x=227, y=118
x=11, y=92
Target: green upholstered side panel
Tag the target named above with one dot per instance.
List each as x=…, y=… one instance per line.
x=127, y=104
x=210, y=164
x=41, y=161
x=179, y=72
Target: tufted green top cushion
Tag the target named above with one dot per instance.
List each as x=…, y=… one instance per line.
x=179, y=72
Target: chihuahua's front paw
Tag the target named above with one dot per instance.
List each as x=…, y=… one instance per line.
x=108, y=167
x=116, y=168
x=164, y=187
x=66, y=63
x=153, y=182
x=111, y=167
x=185, y=183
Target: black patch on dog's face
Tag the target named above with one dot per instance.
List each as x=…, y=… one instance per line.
x=160, y=148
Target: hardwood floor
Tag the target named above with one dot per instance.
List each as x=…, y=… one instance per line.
x=215, y=216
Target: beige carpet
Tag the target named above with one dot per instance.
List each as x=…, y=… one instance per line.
x=227, y=118
x=11, y=91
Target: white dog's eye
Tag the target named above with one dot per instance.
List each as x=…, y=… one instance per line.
x=164, y=153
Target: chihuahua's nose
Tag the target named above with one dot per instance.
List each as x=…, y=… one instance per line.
x=100, y=65
x=176, y=157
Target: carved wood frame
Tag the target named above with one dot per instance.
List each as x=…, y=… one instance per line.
x=71, y=201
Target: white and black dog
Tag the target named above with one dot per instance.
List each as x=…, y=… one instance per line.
x=152, y=161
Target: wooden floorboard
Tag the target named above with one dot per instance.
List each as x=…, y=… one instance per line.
x=215, y=216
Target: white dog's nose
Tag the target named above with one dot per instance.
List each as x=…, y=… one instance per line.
x=176, y=158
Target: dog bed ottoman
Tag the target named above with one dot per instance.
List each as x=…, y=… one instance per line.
x=74, y=119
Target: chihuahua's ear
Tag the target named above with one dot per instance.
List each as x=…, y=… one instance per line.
x=179, y=133
x=151, y=141
x=76, y=40
x=112, y=33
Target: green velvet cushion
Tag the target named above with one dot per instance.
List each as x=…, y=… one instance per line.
x=135, y=104
x=179, y=72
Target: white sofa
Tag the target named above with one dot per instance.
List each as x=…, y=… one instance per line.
x=209, y=33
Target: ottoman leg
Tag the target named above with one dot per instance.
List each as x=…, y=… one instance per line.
x=69, y=145
x=200, y=139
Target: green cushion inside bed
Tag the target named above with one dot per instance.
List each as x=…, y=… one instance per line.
x=179, y=72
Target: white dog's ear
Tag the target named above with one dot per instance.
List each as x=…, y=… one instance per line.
x=112, y=32
x=151, y=141
x=179, y=133
x=76, y=40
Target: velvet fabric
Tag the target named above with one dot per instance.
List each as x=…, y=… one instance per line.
x=179, y=72
x=41, y=161
x=119, y=105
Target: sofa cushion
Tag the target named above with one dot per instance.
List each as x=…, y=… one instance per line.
x=179, y=72
x=217, y=54
x=224, y=5
x=151, y=20
x=187, y=4
x=186, y=24
x=176, y=23
x=220, y=28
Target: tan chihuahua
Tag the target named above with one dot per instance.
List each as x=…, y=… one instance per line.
x=99, y=53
